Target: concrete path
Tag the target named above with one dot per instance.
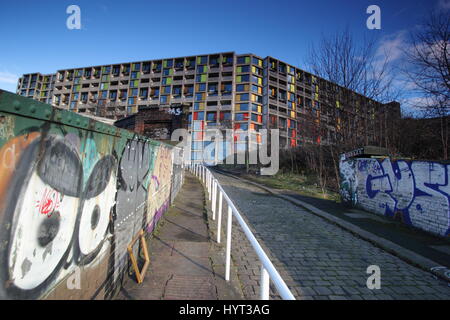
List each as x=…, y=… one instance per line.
x=183, y=257
x=317, y=259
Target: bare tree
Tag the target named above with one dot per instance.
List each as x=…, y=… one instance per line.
x=361, y=67
x=428, y=69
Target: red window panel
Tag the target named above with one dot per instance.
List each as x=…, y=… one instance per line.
x=259, y=118
x=195, y=115
x=293, y=143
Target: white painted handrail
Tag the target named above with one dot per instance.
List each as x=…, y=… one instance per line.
x=268, y=271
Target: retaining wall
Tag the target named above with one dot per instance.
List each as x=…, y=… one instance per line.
x=415, y=192
x=73, y=194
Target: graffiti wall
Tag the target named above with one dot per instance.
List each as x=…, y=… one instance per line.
x=415, y=192
x=73, y=193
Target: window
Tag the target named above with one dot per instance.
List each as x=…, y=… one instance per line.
x=166, y=90
x=199, y=115
x=202, y=60
x=202, y=69
x=146, y=67
x=226, y=87
x=257, y=61
x=242, y=107
x=116, y=71
x=199, y=96
x=243, y=78
x=176, y=91
x=133, y=92
x=243, y=69
x=164, y=99
x=131, y=100
x=167, y=72
x=214, y=60
x=104, y=94
x=256, y=89
x=113, y=95
x=201, y=78
x=257, y=80
x=135, y=75
x=242, y=60
x=201, y=87
x=241, y=116
x=211, y=116
x=167, y=80
x=242, y=97
x=168, y=63
x=225, y=116
x=189, y=91
x=136, y=66
x=154, y=92
x=156, y=67
x=212, y=89
x=199, y=106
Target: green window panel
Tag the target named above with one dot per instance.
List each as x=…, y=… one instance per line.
x=203, y=78
x=199, y=60
x=247, y=59
x=136, y=83
x=76, y=88
x=165, y=63
x=168, y=81
x=135, y=68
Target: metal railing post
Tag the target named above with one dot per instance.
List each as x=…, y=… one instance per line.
x=265, y=284
x=228, y=250
x=214, y=199
x=210, y=185
x=219, y=217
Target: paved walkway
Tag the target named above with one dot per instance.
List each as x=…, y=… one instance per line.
x=317, y=259
x=184, y=260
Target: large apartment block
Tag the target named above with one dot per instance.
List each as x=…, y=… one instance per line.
x=223, y=90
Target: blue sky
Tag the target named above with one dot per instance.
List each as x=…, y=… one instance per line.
x=35, y=37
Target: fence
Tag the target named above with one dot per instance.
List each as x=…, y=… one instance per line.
x=268, y=271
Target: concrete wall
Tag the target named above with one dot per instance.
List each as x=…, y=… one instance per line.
x=73, y=193
x=417, y=192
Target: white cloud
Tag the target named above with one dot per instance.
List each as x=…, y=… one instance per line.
x=392, y=46
x=7, y=77
x=444, y=4
x=8, y=81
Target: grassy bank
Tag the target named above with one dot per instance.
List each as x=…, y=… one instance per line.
x=302, y=184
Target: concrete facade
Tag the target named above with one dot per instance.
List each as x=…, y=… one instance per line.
x=222, y=90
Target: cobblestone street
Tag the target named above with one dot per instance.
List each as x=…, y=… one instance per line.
x=317, y=259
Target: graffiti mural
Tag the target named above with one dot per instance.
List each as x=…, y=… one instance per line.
x=72, y=199
x=416, y=192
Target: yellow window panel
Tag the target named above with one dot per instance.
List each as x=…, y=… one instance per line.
x=292, y=114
